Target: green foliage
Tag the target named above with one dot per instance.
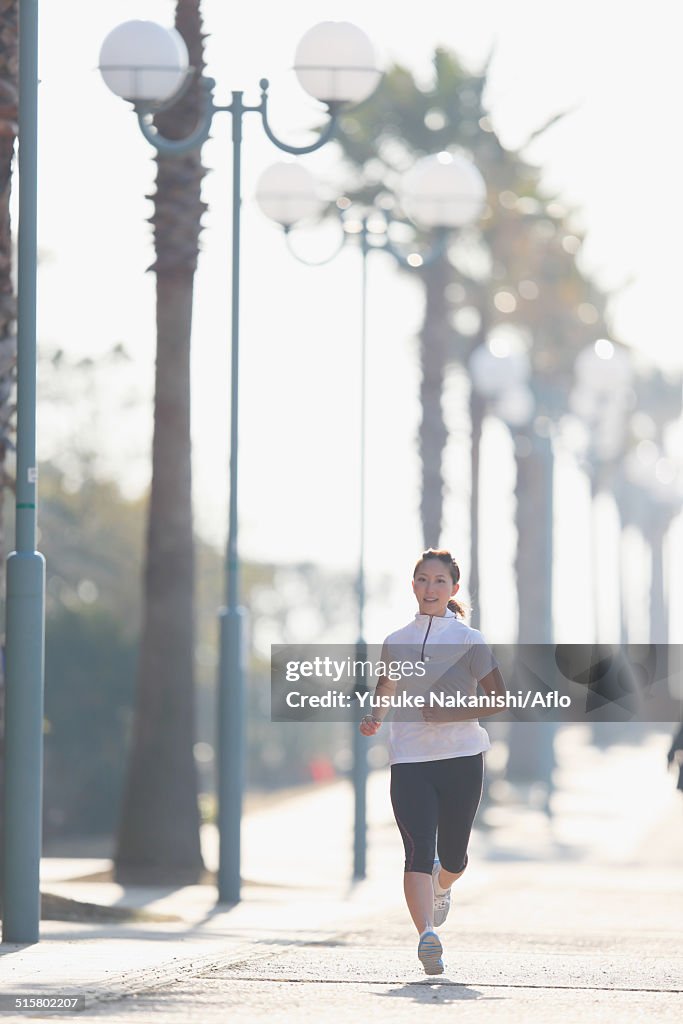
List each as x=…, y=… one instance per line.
x=89, y=674
x=398, y=111
x=93, y=542
x=92, y=538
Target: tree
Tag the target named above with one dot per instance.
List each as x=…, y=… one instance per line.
x=518, y=270
x=159, y=831
x=514, y=269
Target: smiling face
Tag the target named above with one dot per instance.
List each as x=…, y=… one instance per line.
x=433, y=586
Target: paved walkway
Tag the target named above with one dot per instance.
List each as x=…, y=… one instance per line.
x=580, y=918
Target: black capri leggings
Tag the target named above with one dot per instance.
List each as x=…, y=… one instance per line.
x=434, y=805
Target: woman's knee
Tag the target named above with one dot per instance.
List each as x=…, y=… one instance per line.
x=453, y=865
x=420, y=849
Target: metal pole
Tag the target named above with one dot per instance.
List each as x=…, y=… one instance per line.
x=621, y=499
x=659, y=592
x=658, y=603
x=548, y=457
x=25, y=614
x=231, y=715
x=595, y=549
x=548, y=730
x=363, y=375
x=477, y=409
x=359, y=743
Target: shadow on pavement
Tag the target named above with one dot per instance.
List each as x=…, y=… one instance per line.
x=7, y=948
x=441, y=991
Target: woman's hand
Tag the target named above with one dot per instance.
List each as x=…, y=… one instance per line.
x=369, y=725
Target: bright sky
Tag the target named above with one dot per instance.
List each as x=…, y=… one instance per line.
x=617, y=66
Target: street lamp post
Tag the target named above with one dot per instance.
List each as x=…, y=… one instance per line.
x=25, y=605
x=335, y=63
x=439, y=192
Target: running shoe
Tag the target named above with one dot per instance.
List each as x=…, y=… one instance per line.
x=442, y=903
x=429, y=952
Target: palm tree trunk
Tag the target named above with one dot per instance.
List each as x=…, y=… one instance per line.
x=477, y=409
x=531, y=753
x=159, y=833
x=433, y=434
x=533, y=564
x=159, y=830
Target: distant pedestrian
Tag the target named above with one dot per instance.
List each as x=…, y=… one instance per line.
x=436, y=754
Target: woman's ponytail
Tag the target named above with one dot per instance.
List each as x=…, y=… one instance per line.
x=456, y=607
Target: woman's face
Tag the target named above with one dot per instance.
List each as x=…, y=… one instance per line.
x=433, y=586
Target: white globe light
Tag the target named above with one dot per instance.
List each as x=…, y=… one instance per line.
x=505, y=339
x=516, y=406
x=335, y=62
x=584, y=403
x=488, y=372
x=443, y=190
x=639, y=470
x=603, y=367
x=493, y=375
x=609, y=431
x=286, y=192
x=575, y=434
x=144, y=62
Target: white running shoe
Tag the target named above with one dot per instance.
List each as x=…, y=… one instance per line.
x=429, y=951
x=442, y=903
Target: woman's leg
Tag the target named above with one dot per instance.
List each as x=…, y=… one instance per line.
x=415, y=804
x=446, y=878
x=459, y=785
x=419, y=894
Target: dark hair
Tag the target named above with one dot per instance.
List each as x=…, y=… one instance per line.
x=447, y=558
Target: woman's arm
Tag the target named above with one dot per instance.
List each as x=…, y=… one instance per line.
x=492, y=685
x=370, y=724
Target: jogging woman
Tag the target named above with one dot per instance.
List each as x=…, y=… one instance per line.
x=436, y=753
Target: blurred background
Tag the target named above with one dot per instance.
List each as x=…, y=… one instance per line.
x=523, y=389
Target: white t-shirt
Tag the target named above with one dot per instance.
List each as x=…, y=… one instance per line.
x=452, y=651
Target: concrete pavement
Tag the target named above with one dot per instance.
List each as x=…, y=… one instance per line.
x=552, y=922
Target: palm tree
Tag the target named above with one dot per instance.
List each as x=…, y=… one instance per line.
x=379, y=140
x=9, y=99
x=518, y=241
x=519, y=269
x=159, y=830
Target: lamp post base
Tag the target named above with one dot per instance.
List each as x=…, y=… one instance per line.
x=25, y=658
x=231, y=751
